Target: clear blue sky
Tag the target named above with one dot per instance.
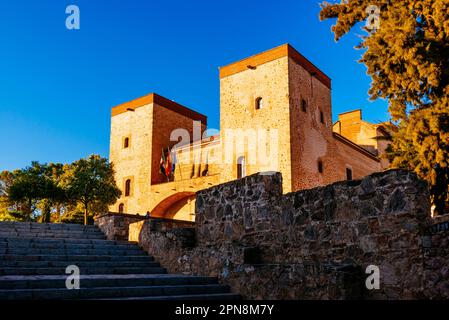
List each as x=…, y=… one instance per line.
x=57, y=86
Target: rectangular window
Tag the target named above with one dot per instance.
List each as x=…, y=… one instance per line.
x=320, y=166
x=304, y=105
x=348, y=174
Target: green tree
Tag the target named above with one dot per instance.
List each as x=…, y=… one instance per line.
x=407, y=59
x=90, y=182
x=34, y=187
x=9, y=210
x=55, y=171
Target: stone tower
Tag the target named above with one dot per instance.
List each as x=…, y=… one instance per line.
x=281, y=92
x=140, y=129
x=284, y=81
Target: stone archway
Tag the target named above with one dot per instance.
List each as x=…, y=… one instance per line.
x=178, y=206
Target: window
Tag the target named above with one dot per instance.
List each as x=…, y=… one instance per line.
x=121, y=208
x=241, y=171
x=126, y=143
x=304, y=105
x=259, y=103
x=348, y=174
x=128, y=188
x=321, y=116
x=320, y=166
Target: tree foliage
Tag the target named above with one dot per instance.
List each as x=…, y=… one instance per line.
x=407, y=59
x=71, y=193
x=91, y=182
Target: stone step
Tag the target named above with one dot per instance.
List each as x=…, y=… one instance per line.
x=53, y=235
x=22, y=230
x=70, y=252
x=48, y=229
x=81, y=264
x=196, y=297
x=90, y=281
x=115, y=292
x=79, y=258
x=67, y=241
x=52, y=226
x=62, y=245
x=5, y=271
x=34, y=257
x=48, y=232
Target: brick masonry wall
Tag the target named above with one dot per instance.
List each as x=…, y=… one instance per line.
x=313, y=244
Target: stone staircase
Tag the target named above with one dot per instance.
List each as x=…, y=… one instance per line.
x=34, y=258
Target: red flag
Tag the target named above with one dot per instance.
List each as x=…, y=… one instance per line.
x=168, y=163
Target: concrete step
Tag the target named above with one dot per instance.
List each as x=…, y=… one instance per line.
x=78, y=258
x=115, y=292
x=81, y=264
x=91, y=281
x=70, y=252
x=5, y=271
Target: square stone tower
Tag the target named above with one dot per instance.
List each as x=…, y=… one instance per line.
x=283, y=93
x=140, y=129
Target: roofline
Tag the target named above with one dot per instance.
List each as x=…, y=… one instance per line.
x=351, y=111
x=285, y=50
x=161, y=101
x=355, y=146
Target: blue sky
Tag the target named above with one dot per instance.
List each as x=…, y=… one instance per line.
x=57, y=85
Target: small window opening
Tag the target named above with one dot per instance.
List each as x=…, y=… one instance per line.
x=121, y=208
x=304, y=105
x=259, y=103
x=241, y=170
x=126, y=143
x=128, y=188
x=320, y=166
x=321, y=116
x=348, y=174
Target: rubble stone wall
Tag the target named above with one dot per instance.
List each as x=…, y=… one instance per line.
x=313, y=244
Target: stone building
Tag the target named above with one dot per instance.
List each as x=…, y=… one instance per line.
x=275, y=115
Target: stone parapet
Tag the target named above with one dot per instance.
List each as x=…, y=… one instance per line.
x=312, y=244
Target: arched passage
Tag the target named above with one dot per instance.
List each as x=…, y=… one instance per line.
x=178, y=206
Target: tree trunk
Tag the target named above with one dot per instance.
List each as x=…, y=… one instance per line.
x=46, y=212
x=58, y=212
x=85, y=214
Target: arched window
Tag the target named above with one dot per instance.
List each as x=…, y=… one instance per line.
x=128, y=188
x=259, y=103
x=241, y=170
x=121, y=208
x=126, y=143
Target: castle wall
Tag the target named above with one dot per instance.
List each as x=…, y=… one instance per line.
x=165, y=121
x=311, y=244
x=278, y=136
x=311, y=140
x=347, y=156
x=134, y=162
x=238, y=94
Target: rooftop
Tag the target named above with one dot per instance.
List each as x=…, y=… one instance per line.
x=161, y=101
x=285, y=50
